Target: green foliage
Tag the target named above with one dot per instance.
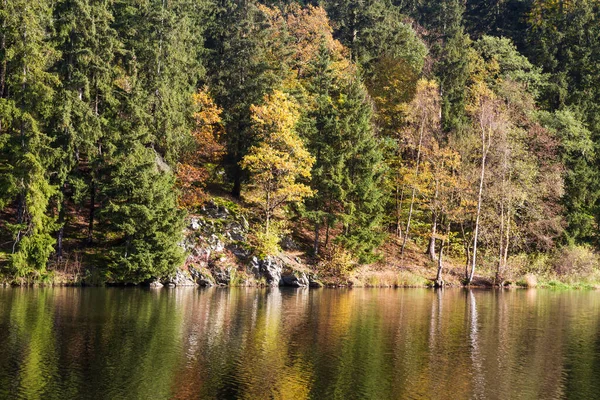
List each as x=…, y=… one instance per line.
x=242, y=67
x=348, y=170
x=266, y=242
x=101, y=105
x=27, y=154
x=141, y=214
x=335, y=265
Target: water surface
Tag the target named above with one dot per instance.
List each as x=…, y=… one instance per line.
x=98, y=343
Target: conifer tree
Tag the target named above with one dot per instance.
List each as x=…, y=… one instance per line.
x=240, y=73
x=27, y=90
x=166, y=40
x=347, y=172
x=141, y=212
x=85, y=108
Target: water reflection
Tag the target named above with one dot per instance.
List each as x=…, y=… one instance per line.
x=259, y=343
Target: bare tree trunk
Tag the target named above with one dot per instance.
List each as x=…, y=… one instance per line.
x=316, y=243
x=484, y=150
x=91, y=212
x=399, y=213
x=414, y=189
x=439, y=281
x=467, y=249
x=431, y=247
x=507, y=243
x=501, y=245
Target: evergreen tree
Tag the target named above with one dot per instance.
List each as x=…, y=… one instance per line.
x=139, y=217
x=373, y=29
x=165, y=38
x=240, y=73
x=85, y=108
x=347, y=172
x=363, y=199
x=27, y=90
x=564, y=39
x=141, y=212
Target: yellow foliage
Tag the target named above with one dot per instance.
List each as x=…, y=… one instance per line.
x=280, y=158
x=191, y=172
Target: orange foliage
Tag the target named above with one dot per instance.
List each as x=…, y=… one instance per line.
x=206, y=149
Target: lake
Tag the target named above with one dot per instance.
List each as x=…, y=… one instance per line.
x=115, y=343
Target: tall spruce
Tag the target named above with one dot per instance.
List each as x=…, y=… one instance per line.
x=240, y=73
x=27, y=90
x=347, y=170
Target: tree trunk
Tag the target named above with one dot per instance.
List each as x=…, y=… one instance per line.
x=316, y=243
x=431, y=247
x=399, y=213
x=414, y=189
x=476, y=230
x=467, y=249
x=91, y=212
x=485, y=145
x=439, y=281
x=501, y=245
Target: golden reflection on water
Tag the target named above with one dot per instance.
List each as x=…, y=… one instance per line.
x=295, y=344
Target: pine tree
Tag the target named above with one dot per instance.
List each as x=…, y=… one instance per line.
x=85, y=108
x=363, y=199
x=139, y=216
x=141, y=212
x=241, y=72
x=166, y=40
x=347, y=173
x=27, y=90
x=373, y=29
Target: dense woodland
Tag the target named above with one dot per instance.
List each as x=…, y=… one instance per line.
x=468, y=128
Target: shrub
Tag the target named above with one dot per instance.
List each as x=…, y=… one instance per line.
x=335, y=264
x=267, y=244
x=576, y=262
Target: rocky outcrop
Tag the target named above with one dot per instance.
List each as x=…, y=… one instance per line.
x=296, y=279
x=155, y=284
x=202, y=276
x=267, y=271
x=216, y=240
x=181, y=278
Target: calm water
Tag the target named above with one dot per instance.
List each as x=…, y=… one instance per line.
x=259, y=344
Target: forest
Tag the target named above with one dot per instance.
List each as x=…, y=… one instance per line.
x=463, y=132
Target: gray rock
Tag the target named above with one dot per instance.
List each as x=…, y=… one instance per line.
x=216, y=244
x=245, y=223
x=155, y=284
x=181, y=278
x=202, y=277
x=222, y=276
x=295, y=279
x=271, y=271
x=238, y=251
x=287, y=243
x=195, y=224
